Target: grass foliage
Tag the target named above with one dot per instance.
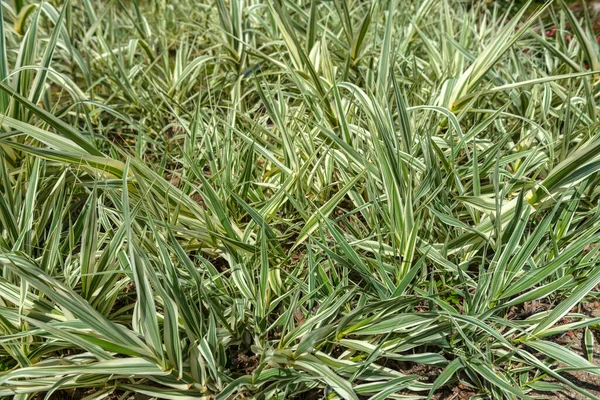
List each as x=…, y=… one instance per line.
x=296, y=199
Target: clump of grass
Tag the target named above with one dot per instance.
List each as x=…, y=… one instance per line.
x=341, y=199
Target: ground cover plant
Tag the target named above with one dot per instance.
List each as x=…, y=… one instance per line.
x=298, y=199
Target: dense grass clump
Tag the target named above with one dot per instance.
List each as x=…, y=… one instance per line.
x=341, y=199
